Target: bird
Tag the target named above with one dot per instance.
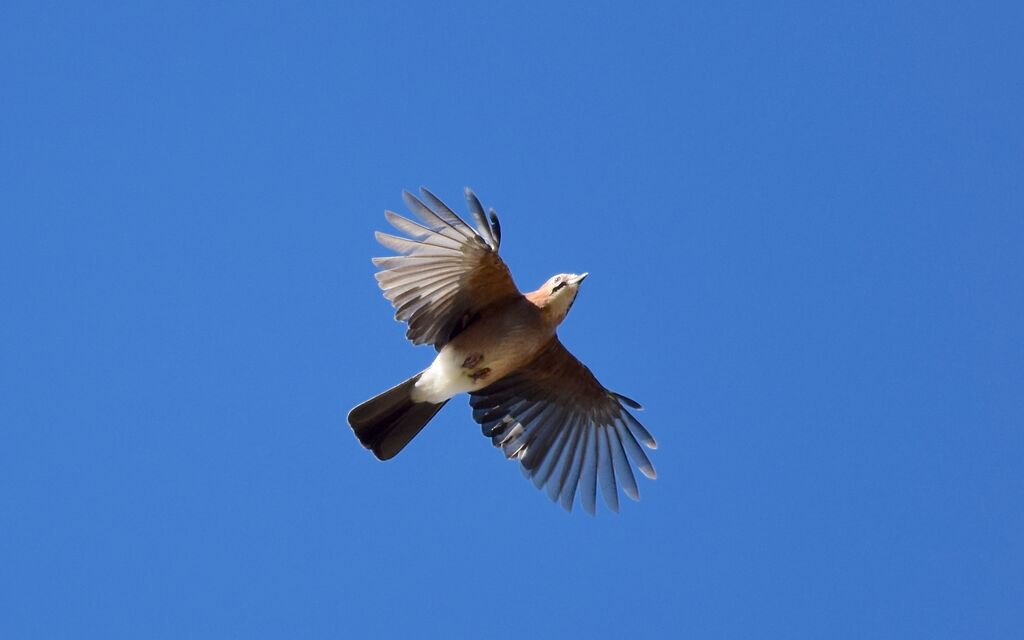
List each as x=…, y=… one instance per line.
x=530, y=395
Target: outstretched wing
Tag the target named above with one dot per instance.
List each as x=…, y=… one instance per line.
x=449, y=271
x=565, y=429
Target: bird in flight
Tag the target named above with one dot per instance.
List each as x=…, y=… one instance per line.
x=533, y=398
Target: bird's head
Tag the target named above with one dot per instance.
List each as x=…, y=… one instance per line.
x=557, y=294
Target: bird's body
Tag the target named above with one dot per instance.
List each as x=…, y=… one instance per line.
x=532, y=397
x=474, y=359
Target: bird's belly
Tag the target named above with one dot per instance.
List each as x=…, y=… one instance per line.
x=475, y=359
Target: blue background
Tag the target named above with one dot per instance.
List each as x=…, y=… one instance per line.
x=804, y=227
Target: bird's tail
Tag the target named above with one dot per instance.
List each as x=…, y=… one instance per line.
x=387, y=422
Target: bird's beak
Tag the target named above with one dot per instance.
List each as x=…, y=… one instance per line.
x=578, y=279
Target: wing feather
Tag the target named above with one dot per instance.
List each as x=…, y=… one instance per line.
x=606, y=471
x=588, y=478
x=482, y=225
x=556, y=489
x=568, y=491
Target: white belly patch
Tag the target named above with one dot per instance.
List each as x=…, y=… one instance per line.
x=444, y=378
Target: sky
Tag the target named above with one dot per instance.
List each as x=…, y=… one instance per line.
x=804, y=229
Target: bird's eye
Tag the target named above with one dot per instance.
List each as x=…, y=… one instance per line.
x=558, y=286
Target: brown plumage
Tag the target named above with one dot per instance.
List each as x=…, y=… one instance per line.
x=536, y=401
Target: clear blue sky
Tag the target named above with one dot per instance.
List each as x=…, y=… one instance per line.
x=805, y=233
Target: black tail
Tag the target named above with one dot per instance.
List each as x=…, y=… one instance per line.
x=387, y=422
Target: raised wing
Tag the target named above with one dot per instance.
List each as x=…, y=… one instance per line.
x=449, y=271
x=566, y=429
